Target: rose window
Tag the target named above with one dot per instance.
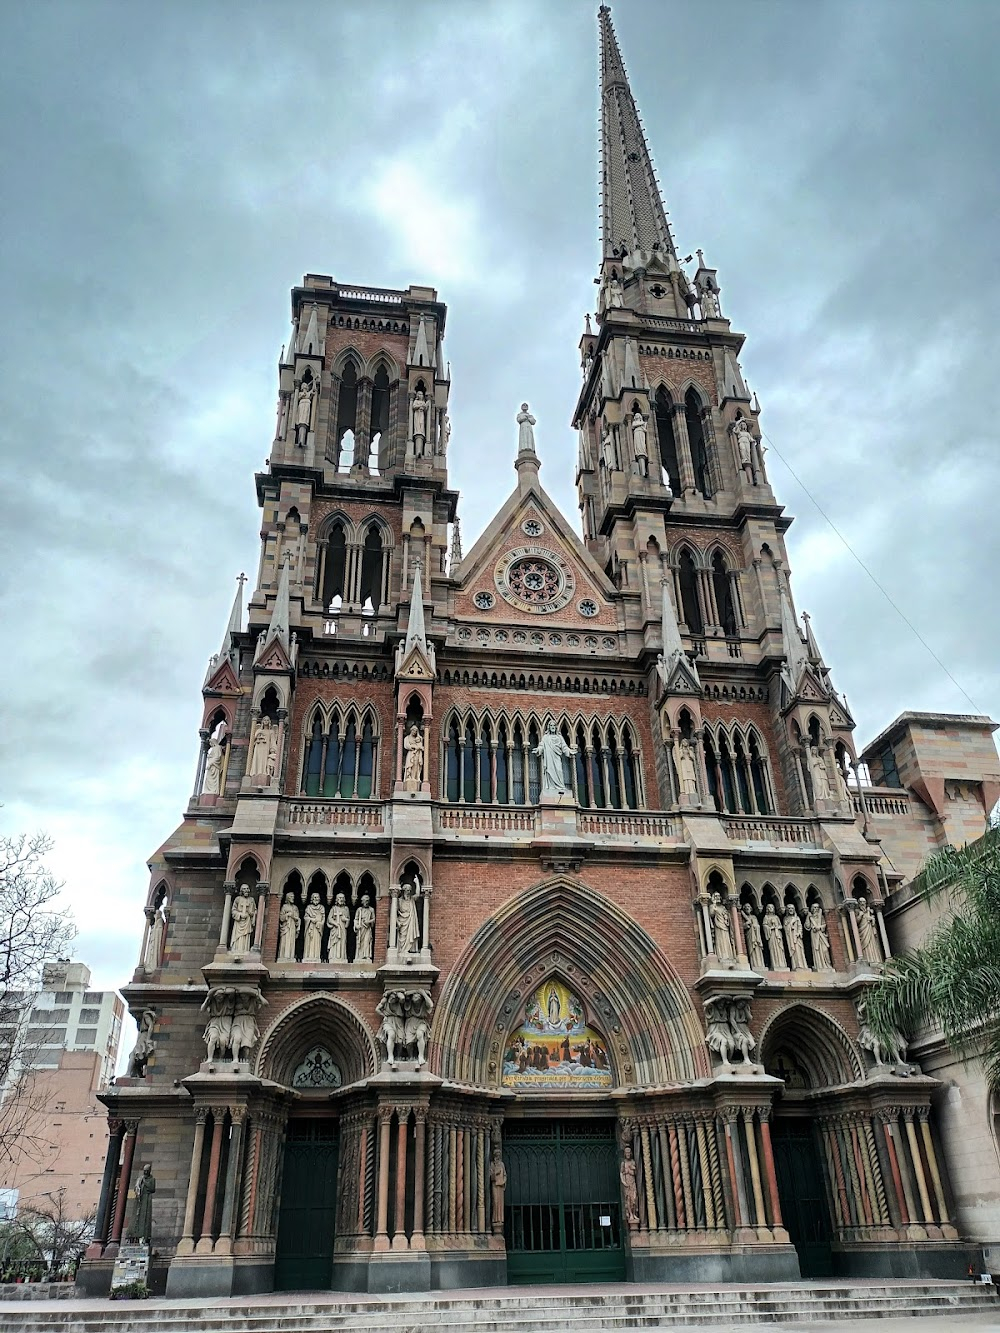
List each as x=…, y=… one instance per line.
x=533, y=580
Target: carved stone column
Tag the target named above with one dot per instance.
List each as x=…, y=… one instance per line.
x=124, y=1180
x=419, y=1176
x=186, y=1243
x=205, y=1240
x=116, y=1132
x=382, y=1221
x=226, y=1226
x=399, y=1241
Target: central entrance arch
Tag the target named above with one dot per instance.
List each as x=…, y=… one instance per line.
x=562, y=1216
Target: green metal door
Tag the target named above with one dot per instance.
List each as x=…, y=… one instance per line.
x=562, y=1216
x=805, y=1209
x=307, y=1215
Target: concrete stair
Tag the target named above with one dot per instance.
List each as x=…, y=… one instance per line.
x=513, y=1310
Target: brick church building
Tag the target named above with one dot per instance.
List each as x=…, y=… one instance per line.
x=519, y=926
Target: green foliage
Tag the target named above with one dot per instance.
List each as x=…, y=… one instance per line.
x=131, y=1291
x=952, y=980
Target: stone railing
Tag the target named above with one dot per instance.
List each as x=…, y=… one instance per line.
x=335, y=814
x=371, y=294
x=627, y=824
x=484, y=819
x=772, y=829
x=882, y=801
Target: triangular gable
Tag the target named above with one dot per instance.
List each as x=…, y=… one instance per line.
x=505, y=530
x=223, y=680
x=273, y=658
x=680, y=678
x=415, y=666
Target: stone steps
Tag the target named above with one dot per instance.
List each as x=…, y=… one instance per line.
x=519, y=1310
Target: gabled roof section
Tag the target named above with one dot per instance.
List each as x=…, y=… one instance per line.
x=506, y=530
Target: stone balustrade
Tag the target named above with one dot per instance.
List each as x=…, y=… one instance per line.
x=304, y=815
x=773, y=829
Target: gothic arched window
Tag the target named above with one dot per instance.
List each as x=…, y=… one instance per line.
x=582, y=783
x=452, y=763
x=371, y=568
x=366, y=761
x=758, y=777
x=534, y=766
x=722, y=585
x=690, y=601
x=728, y=776
x=312, y=774
x=630, y=772
x=597, y=768
x=380, y=403
x=712, y=769
x=614, y=781
x=742, y=774
x=698, y=442
x=503, y=752
x=517, y=765
x=349, y=758
x=484, y=765
x=333, y=566
x=347, y=403
x=469, y=765
x=666, y=440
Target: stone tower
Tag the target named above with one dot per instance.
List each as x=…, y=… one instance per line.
x=537, y=881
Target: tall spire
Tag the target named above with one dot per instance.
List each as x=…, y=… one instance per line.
x=235, y=619
x=796, y=656
x=278, y=628
x=632, y=212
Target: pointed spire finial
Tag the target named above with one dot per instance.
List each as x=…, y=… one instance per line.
x=673, y=646
x=415, y=633
x=791, y=641
x=278, y=628
x=632, y=211
x=455, y=556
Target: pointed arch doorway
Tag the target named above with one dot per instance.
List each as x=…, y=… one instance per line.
x=811, y=1055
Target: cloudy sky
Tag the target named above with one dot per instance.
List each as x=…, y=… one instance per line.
x=172, y=169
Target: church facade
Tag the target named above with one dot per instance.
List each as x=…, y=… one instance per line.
x=519, y=925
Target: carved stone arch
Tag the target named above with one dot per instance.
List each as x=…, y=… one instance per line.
x=160, y=893
x=348, y=353
x=822, y=1050
x=330, y=521
x=323, y=1018
x=238, y=857
x=725, y=873
x=748, y=894
x=793, y=894
x=263, y=684
x=366, y=524
x=686, y=542
x=562, y=925
x=382, y=357
x=404, y=859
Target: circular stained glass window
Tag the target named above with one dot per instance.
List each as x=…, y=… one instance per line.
x=465, y=633
x=587, y=608
x=484, y=600
x=609, y=642
x=519, y=636
x=532, y=527
x=534, y=579
x=500, y=636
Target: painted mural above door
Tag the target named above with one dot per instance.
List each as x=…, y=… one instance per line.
x=555, y=1049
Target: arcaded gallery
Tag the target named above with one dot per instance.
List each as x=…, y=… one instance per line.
x=519, y=925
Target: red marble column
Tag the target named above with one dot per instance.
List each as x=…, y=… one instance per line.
x=204, y=1245
x=382, y=1224
x=769, y=1171
x=131, y=1130
x=399, y=1220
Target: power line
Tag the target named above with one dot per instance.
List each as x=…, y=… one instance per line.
x=902, y=615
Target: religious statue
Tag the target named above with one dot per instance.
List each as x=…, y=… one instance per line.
x=271, y=762
x=338, y=919
x=364, y=931
x=303, y=409
x=630, y=1188
x=498, y=1183
x=639, y=448
x=687, y=771
x=773, y=934
x=709, y=303
x=722, y=929
x=728, y=1028
x=419, y=424
x=243, y=918
x=739, y=1024
x=616, y=297
x=553, y=1007
x=391, y=1008
x=408, y=919
x=608, y=449
x=244, y=1032
x=752, y=935
x=794, y=937
x=218, y=1029
x=405, y=1024
x=818, y=773
x=154, y=940
x=816, y=926
x=744, y=441
x=445, y=433
x=140, y=1229
x=894, y=1048
x=289, y=925
x=552, y=750
x=315, y=919
x=260, y=747
x=144, y=1046
x=525, y=431
x=868, y=931
x=212, y=782
x=413, y=763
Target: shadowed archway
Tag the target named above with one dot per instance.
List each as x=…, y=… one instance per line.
x=811, y=1048
x=317, y=1019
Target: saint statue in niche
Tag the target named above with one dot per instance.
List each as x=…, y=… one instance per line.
x=289, y=926
x=212, y=783
x=338, y=919
x=315, y=917
x=244, y=918
x=408, y=918
x=141, y=1227
x=413, y=764
x=364, y=931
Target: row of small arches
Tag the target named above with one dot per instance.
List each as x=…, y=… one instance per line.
x=565, y=684
x=736, y=761
x=341, y=752
x=681, y=353
x=313, y=941
x=490, y=760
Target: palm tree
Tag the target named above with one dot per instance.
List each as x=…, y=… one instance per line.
x=952, y=980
